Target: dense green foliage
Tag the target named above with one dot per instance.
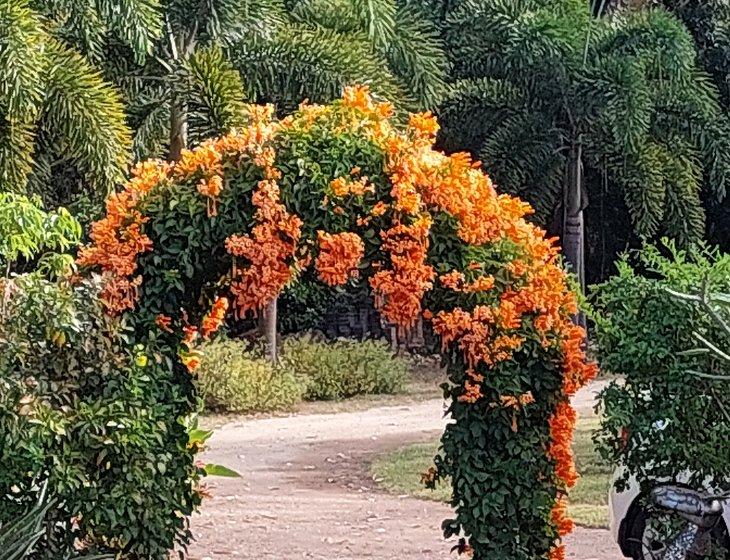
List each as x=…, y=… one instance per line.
x=79, y=411
x=62, y=127
x=343, y=368
x=533, y=79
x=233, y=379
x=669, y=415
x=493, y=472
x=709, y=23
x=29, y=234
x=186, y=67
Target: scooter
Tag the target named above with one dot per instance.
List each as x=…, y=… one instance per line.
x=681, y=524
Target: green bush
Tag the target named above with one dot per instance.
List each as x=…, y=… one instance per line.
x=668, y=414
x=92, y=419
x=232, y=379
x=344, y=368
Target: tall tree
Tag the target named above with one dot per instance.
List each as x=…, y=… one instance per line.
x=62, y=127
x=563, y=107
x=184, y=69
x=709, y=23
x=186, y=66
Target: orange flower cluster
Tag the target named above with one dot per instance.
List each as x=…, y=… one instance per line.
x=562, y=424
x=576, y=371
x=423, y=125
x=189, y=356
x=118, y=238
x=482, y=334
x=211, y=188
x=456, y=281
x=209, y=160
x=268, y=251
x=213, y=321
x=399, y=289
x=164, y=323
x=342, y=186
x=510, y=401
x=359, y=98
x=560, y=517
x=339, y=256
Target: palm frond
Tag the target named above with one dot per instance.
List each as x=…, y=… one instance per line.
x=234, y=20
x=641, y=176
x=472, y=108
x=614, y=94
x=89, y=25
x=524, y=158
x=151, y=125
x=311, y=63
x=214, y=94
x=21, y=90
x=416, y=54
x=657, y=38
x=684, y=216
x=86, y=119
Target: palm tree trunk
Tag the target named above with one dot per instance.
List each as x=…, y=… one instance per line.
x=178, y=129
x=269, y=325
x=573, y=204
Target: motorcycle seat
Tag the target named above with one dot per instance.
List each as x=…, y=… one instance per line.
x=686, y=501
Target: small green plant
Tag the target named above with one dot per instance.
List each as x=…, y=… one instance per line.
x=668, y=413
x=343, y=368
x=717, y=307
x=19, y=537
x=233, y=379
x=27, y=231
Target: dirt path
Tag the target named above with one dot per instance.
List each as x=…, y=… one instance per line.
x=306, y=492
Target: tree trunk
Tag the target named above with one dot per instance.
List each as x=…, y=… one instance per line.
x=574, y=201
x=573, y=205
x=270, y=316
x=178, y=129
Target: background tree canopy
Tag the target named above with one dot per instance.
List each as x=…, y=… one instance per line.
x=62, y=128
x=535, y=79
x=184, y=69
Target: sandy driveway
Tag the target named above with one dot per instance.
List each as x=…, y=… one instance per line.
x=306, y=492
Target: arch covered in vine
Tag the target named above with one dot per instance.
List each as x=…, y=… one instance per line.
x=346, y=194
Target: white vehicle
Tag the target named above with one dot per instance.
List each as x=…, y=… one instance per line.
x=679, y=524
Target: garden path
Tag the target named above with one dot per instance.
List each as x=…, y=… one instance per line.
x=305, y=491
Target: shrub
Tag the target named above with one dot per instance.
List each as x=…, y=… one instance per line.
x=92, y=419
x=664, y=418
x=232, y=379
x=343, y=368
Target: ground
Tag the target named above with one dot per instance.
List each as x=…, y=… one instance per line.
x=397, y=472
x=306, y=491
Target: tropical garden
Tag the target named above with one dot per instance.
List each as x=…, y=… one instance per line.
x=233, y=206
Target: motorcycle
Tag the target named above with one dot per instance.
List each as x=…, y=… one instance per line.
x=678, y=523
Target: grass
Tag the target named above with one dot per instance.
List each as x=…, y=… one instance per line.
x=399, y=472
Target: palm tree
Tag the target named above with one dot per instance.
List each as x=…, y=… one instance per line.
x=562, y=106
x=60, y=122
x=184, y=69
x=187, y=66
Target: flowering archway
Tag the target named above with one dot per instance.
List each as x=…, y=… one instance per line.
x=345, y=193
